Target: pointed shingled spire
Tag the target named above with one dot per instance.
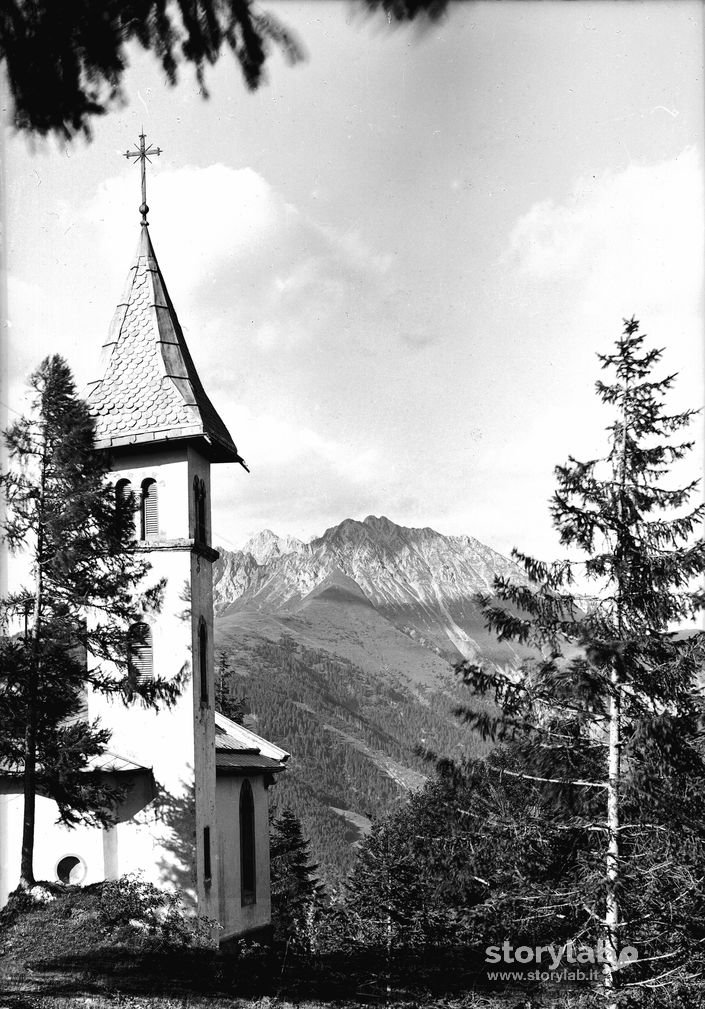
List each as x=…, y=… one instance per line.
x=149, y=391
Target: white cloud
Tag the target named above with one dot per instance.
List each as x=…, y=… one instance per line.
x=225, y=237
x=300, y=480
x=634, y=237
x=277, y=441
x=28, y=313
x=628, y=243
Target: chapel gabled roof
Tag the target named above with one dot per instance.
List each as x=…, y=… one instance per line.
x=240, y=750
x=149, y=390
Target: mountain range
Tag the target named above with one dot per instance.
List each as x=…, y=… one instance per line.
x=420, y=582
x=343, y=648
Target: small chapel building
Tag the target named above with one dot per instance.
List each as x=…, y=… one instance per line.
x=195, y=811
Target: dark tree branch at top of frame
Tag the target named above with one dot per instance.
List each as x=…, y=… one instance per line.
x=65, y=62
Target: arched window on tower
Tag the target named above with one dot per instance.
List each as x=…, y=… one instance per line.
x=140, y=657
x=203, y=659
x=122, y=491
x=149, y=515
x=124, y=500
x=248, y=865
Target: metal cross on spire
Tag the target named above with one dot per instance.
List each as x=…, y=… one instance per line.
x=144, y=154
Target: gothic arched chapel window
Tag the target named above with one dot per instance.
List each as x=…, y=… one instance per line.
x=248, y=865
x=149, y=515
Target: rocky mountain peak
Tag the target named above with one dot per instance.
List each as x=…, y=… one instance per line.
x=418, y=579
x=267, y=545
x=381, y=524
x=347, y=531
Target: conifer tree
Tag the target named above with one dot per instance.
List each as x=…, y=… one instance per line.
x=295, y=889
x=607, y=720
x=64, y=517
x=226, y=700
x=393, y=895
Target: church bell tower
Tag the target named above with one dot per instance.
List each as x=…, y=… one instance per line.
x=163, y=434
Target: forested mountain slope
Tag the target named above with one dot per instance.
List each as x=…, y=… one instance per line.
x=343, y=648
x=353, y=736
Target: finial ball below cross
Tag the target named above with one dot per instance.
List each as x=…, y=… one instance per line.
x=143, y=154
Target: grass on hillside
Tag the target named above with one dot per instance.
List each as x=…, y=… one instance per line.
x=75, y=950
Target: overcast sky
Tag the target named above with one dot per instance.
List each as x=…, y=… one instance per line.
x=395, y=263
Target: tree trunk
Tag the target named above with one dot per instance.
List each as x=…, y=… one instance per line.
x=27, y=880
x=611, y=923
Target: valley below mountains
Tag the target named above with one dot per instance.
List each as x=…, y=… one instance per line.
x=343, y=649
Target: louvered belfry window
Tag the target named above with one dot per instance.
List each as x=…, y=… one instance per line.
x=149, y=510
x=122, y=491
x=248, y=865
x=123, y=494
x=140, y=655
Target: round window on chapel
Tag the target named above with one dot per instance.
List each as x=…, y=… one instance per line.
x=71, y=869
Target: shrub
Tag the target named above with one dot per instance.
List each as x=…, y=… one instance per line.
x=131, y=905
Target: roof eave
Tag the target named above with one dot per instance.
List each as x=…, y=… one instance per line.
x=241, y=770
x=215, y=450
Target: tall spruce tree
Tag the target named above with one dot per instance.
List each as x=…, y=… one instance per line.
x=607, y=721
x=413, y=872
x=87, y=588
x=294, y=887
